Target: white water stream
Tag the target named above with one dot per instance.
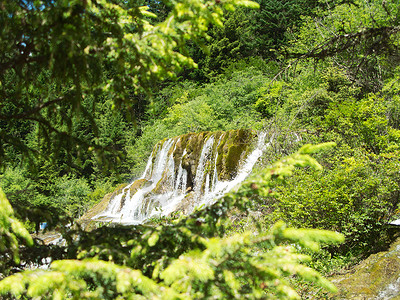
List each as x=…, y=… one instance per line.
x=164, y=192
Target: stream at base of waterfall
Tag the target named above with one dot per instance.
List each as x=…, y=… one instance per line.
x=186, y=172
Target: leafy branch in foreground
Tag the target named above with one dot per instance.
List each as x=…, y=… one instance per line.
x=190, y=258
x=231, y=267
x=11, y=229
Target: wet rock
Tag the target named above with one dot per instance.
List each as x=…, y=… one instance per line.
x=377, y=277
x=186, y=204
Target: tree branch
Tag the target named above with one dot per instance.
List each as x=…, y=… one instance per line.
x=340, y=43
x=35, y=110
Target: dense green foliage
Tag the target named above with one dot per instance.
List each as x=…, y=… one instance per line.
x=86, y=91
x=355, y=197
x=188, y=258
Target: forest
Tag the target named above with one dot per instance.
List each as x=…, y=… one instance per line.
x=88, y=87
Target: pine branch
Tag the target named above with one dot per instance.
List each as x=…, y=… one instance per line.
x=33, y=111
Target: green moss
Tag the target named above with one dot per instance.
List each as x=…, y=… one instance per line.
x=220, y=158
x=233, y=157
x=371, y=277
x=162, y=185
x=233, y=148
x=193, y=149
x=136, y=185
x=182, y=144
x=179, y=149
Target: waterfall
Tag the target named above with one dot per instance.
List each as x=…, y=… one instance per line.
x=245, y=169
x=200, y=172
x=186, y=172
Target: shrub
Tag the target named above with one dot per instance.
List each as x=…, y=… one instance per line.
x=355, y=197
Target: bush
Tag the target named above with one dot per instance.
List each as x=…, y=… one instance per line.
x=355, y=197
x=70, y=195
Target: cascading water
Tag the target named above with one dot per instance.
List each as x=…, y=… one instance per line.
x=186, y=172
x=201, y=173
x=222, y=187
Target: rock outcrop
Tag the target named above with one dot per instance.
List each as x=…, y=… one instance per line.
x=377, y=277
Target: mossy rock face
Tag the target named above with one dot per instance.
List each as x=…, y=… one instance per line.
x=193, y=148
x=149, y=204
x=180, y=147
x=233, y=148
x=136, y=185
x=193, y=144
x=164, y=184
x=232, y=159
x=377, y=277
